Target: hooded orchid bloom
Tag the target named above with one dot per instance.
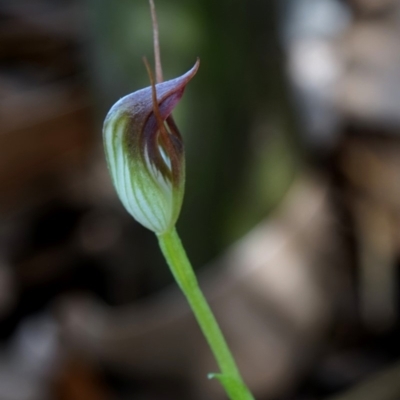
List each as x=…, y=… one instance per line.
x=145, y=153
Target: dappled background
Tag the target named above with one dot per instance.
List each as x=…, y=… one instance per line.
x=291, y=213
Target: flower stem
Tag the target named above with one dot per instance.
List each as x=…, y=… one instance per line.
x=182, y=270
x=156, y=43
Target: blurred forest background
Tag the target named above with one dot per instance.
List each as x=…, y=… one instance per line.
x=291, y=213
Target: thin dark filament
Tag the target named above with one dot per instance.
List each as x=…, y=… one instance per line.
x=159, y=73
x=164, y=138
x=156, y=43
x=160, y=121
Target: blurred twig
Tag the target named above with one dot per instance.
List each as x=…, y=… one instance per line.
x=157, y=56
x=383, y=386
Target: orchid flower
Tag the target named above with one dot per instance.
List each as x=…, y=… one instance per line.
x=145, y=156
x=145, y=152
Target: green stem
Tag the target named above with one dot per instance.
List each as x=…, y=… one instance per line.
x=182, y=270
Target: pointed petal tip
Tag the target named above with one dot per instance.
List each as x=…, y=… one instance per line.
x=184, y=79
x=196, y=64
x=192, y=71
